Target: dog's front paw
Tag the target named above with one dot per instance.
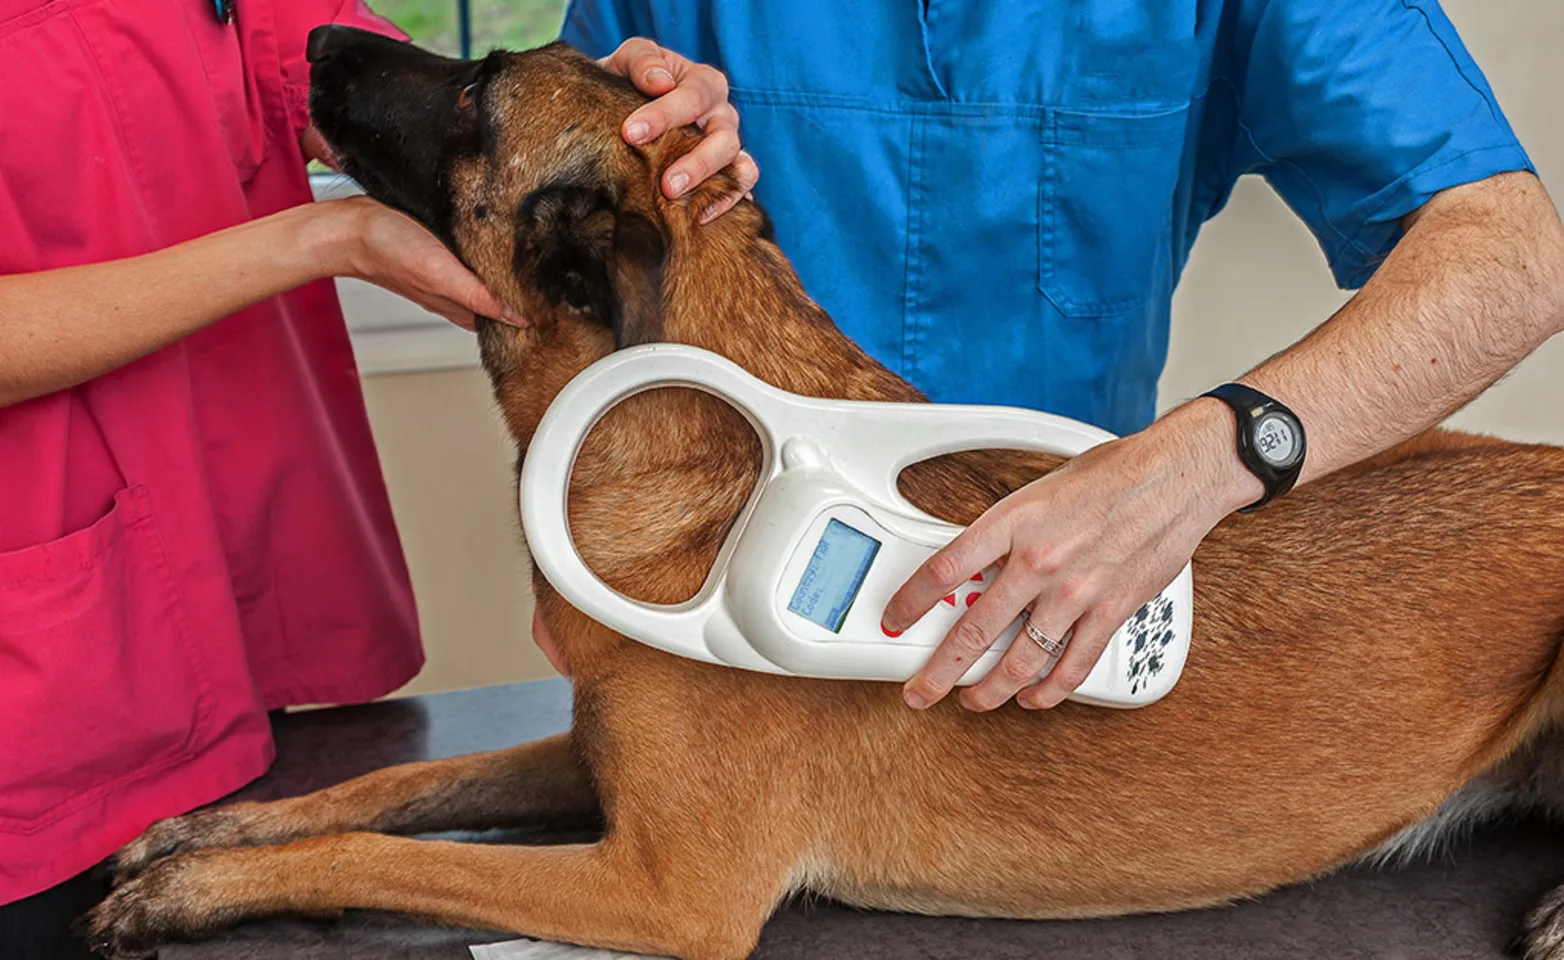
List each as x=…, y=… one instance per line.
x=223, y=827
x=1542, y=932
x=168, y=901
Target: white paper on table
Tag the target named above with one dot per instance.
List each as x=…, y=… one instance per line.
x=544, y=950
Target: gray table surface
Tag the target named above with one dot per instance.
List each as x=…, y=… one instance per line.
x=1464, y=905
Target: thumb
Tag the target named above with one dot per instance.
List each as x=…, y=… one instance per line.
x=645, y=63
x=472, y=294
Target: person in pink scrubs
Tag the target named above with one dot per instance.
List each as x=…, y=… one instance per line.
x=194, y=530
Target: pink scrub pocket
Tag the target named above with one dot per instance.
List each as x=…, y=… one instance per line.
x=99, y=676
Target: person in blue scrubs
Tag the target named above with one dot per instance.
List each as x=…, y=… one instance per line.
x=996, y=201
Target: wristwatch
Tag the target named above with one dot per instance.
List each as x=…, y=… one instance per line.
x=1271, y=441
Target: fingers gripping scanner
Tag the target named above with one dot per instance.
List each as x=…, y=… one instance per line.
x=800, y=584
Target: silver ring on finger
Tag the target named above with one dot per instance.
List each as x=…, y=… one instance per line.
x=1049, y=645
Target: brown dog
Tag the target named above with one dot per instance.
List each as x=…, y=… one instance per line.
x=1414, y=656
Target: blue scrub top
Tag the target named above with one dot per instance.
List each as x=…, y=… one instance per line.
x=996, y=198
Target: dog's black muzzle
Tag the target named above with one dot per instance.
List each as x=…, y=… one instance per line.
x=389, y=111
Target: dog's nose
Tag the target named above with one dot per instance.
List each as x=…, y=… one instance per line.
x=318, y=46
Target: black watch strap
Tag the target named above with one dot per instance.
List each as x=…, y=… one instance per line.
x=1270, y=440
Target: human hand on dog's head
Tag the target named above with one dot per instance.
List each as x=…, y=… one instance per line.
x=687, y=93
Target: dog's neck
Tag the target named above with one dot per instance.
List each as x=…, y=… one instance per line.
x=660, y=481
x=649, y=514
x=751, y=307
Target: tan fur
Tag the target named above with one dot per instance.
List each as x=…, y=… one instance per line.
x=1362, y=649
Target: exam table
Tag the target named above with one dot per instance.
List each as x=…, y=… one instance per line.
x=1464, y=904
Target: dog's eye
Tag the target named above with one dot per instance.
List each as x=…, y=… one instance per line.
x=464, y=99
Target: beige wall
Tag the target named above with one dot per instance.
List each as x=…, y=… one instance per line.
x=448, y=465
x=1256, y=283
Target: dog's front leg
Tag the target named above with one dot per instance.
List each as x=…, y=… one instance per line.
x=538, y=782
x=669, y=899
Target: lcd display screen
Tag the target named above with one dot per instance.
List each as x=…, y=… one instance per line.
x=835, y=573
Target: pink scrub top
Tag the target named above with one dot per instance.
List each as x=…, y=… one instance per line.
x=204, y=534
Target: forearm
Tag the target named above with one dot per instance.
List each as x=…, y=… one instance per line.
x=1476, y=284
x=59, y=328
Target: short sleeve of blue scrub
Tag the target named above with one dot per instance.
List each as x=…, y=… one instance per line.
x=996, y=199
x=1357, y=113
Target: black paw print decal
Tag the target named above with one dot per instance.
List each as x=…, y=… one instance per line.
x=1150, y=632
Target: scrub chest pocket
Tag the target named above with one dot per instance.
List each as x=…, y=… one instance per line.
x=98, y=669
x=1097, y=247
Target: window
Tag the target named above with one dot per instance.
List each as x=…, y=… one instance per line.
x=391, y=334
x=469, y=28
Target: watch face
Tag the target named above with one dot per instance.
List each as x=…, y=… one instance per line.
x=1276, y=440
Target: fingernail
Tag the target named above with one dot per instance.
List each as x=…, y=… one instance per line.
x=513, y=318
x=678, y=182
x=658, y=74
x=914, y=699
x=637, y=131
x=1027, y=703
x=709, y=214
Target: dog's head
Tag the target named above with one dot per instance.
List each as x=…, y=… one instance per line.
x=517, y=163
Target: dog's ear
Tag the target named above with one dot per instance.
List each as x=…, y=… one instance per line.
x=636, y=270
x=579, y=249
